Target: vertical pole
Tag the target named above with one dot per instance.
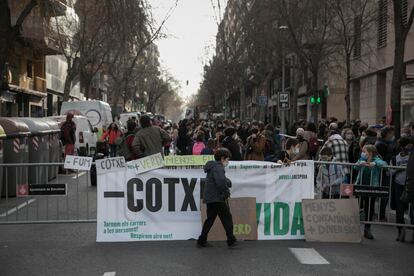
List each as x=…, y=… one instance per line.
x=283, y=112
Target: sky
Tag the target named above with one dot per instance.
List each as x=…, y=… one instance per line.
x=191, y=32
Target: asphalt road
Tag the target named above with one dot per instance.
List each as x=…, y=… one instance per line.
x=70, y=249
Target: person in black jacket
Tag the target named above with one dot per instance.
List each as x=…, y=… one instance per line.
x=231, y=144
x=385, y=148
x=216, y=193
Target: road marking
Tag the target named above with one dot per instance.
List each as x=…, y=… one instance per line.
x=109, y=274
x=79, y=175
x=308, y=256
x=11, y=211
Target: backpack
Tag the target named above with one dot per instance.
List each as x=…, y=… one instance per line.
x=198, y=147
x=313, y=146
x=122, y=147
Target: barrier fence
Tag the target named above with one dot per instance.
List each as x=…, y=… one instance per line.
x=65, y=198
x=47, y=195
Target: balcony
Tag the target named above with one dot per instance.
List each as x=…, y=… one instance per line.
x=52, y=8
x=36, y=30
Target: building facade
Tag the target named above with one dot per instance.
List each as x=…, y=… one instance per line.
x=372, y=68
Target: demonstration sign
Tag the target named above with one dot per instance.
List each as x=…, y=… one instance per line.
x=187, y=160
x=78, y=163
x=110, y=165
x=146, y=164
x=243, y=211
x=331, y=220
x=164, y=204
x=40, y=189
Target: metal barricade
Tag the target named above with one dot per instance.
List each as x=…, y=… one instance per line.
x=65, y=198
x=378, y=196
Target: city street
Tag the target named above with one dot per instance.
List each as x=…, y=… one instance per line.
x=70, y=249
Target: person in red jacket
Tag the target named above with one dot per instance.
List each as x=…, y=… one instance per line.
x=112, y=134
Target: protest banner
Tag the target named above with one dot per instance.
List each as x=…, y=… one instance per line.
x=164, y=204
x=331, y=220
x=187, y=160
x=146, y=164
x=243, y=211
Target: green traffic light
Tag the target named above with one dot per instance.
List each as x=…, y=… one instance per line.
x=318, y=100
x=312, y=100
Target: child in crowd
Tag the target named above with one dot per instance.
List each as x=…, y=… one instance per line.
x=199, y=144
x=330, y=176
x=209, y=150
x=369, y=172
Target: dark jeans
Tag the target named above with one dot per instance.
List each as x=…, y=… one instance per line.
x=222, y=210
x=113, y=150
x=368, y=203
x=401, y=207
x=384, y=201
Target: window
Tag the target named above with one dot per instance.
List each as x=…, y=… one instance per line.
x=30, y=68
x=382, y=23
x=404, y=12
x=357, y=36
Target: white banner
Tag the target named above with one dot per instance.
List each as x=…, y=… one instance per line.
x=164, y=204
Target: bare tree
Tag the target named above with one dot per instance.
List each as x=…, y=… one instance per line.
x=310, y=37
x=9, y=33
x=350, y=19
x=141, y=32
x=401, y=30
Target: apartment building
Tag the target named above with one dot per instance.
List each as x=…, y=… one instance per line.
x=372, y=68
x=35, y=69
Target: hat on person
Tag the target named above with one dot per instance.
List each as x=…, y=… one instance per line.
x=300, y=132
x=333, y=126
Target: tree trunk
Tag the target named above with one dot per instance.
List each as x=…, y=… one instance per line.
x=67, y=87
x=397, y=79
x=398, y=75
x=348, y=90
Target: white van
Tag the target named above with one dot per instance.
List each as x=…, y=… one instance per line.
x=85, y=134
x=124, y=117
x=99, y=113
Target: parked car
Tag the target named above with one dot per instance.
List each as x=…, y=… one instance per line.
x=99, y=113
x=86, y=135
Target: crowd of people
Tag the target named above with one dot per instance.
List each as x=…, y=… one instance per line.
x=364, y=148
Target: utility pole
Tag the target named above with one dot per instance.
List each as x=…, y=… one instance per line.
x=283, y=112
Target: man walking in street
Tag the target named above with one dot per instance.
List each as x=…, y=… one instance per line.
x=150, y=139
x=216, y=194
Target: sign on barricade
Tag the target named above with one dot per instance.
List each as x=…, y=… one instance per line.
x=187, y=160
x=148, y=163
x=371, y=191
x=331, y=220
x=164, y=204
x=41, y=190
x=243, y=211
x=81, y=163
x=110, y=165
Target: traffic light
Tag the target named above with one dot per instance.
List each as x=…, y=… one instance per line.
x=315, y=100
x=312, y=100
